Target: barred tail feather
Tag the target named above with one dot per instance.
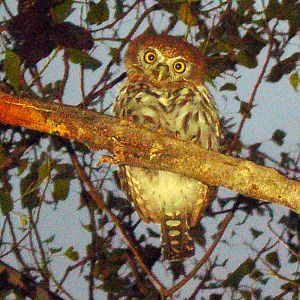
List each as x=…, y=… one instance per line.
x=177, y=244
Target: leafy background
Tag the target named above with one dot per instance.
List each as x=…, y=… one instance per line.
x=72, y=52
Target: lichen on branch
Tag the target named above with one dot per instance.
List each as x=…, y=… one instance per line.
x=131, y=144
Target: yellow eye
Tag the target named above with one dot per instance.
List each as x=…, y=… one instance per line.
x=179, y=67
x=150, y=57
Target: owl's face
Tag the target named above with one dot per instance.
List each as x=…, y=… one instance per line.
x=162, y=59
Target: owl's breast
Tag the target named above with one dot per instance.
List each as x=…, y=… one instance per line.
x=142, y=104
x=188, y=112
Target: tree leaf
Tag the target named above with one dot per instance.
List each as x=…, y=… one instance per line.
x=119, y=8
x=228, y=86
x=240, y=272
x=6, y=203
x=12, y=69
x=115, y=54
x=79, y=57
x=295, y=80
x=177, y=268
x=278, y=137
x=255, y=233
x=3, y=154
x=186, y=15
x=273, y=259
x=61, y=189
x=71, y=254
x=153, y=233
x=285, y=66
x=55, y=250
x=49, y=240
x=29, y=189
x=245, y=109
x=98, y=13
x=246, y=60
x=61, y=11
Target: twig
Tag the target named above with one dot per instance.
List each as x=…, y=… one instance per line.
x=98, y=200
x=207, y=254
x=254, y=91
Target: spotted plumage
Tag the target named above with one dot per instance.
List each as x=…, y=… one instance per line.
x=165, y=91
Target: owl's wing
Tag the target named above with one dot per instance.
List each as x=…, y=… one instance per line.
x=124, y=175
x=195, y=117
x=138, y=103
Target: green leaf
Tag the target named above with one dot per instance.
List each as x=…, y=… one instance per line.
x=246, y=295
x=238, y=274
x=64, y=171
x=55, y=250
x=6, y=203
x=3, y=154
x=12, y=68
x=252, y=42
x=273, y=259
x=61, y=11
x=186, y=14
x=98, y=13
x=79, y=57
x=22, y=166
x=278, y=137
x=228, y=86
x=246, y=60
x=273, y=9
x=295, y=80
x=285, y=66
x=29, y=189
x=119, y=8
x=43, y=172
x=61, y=189
x=71, y=254
x=49, y=240
x=115, y=54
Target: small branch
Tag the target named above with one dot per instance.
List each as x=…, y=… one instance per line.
x=254, y=91
x=133, y=145
x=14, y=156
x=101, y=204
x=26, y=286
x=207, y=254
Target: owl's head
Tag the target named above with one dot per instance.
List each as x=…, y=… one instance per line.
x=164, y=59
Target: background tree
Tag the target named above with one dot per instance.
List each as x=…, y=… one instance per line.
x=82, y=243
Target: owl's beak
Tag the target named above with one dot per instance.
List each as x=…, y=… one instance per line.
x=162, y=72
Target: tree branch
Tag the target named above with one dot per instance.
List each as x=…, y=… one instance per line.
x=133, y=145
x=26, y=286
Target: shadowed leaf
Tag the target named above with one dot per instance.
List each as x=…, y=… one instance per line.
x=98, y=13
x=12, y=68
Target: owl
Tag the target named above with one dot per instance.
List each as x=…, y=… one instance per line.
x=165, y=92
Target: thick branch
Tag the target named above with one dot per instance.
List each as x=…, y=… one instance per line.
x=136, y=146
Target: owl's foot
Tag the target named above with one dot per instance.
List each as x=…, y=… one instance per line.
x=118, y=155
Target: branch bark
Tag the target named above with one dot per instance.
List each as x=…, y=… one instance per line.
x=133, y=145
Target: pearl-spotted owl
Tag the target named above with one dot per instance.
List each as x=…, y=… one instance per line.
x=165, y=92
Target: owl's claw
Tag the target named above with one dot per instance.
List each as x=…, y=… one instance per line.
x=118, y=155
x=156, y=150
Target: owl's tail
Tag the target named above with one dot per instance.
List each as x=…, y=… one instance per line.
x=177, y=244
